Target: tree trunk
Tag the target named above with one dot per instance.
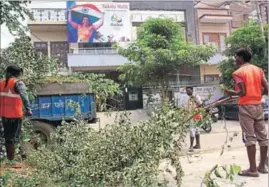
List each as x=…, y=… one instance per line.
x=163, y=94
x=164, y=90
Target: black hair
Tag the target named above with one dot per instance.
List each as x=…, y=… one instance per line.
x=90, y=23
x=245, y=53
x=13, y=71
x=189, y=87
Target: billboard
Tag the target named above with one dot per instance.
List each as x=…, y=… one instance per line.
x=98, y=22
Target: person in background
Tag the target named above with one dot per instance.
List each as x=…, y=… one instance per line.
x=193, y=102
x=13, y=96
x=251, y=85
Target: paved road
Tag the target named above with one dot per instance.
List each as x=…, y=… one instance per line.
x=202, y=161
x=195, y=171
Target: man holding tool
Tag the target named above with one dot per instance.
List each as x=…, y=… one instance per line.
x=251, y=85
x=194, y=101
x=13, y=97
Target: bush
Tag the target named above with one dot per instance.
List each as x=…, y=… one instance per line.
x=118, y=155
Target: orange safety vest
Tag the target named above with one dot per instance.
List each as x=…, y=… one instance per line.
x=252, y=78
x=11, y=105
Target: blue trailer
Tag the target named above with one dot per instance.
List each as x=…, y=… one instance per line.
x=56, y=102
x=56, y=108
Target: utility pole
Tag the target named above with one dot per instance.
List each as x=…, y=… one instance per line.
x=260, y=18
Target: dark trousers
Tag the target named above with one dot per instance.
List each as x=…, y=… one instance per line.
x=12, y=129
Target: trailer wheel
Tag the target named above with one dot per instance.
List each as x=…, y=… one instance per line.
x=43, y=129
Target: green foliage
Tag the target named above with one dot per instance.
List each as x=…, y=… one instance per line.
x=227, y=172
x=39, y=70
x=160, y=50
x=23, y=180
x=13, y=13
x=122, y=154
x=22, y=53
x=248, y=36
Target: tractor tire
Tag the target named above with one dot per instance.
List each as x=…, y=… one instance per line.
x=44, y=129
x=41, y=128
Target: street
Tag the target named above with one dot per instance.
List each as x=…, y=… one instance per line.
x=235, y=153
x=195, y=165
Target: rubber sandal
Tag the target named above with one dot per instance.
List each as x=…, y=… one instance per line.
x=246, y=173
x=191, y=150
x=262, y=172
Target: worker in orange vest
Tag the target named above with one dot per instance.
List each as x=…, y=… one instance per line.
x=251, y=85
x=193, y=102
x=13, y=97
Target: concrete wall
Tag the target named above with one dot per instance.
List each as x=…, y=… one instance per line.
x=53, y=36
x=48, y=36
x=95, y=60
x=208, y=70
x=224, y=28
x=212, y=27
x=201, y=12
x=187, y=6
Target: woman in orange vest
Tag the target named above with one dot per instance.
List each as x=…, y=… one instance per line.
x=251, y=85
x=13, y=97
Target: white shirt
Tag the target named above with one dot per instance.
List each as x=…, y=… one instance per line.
x=193, y=102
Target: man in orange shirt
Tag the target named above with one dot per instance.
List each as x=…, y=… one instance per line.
x=251, y=85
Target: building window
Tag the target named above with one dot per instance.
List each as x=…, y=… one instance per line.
x=217, y=39
x=59, y=50
x=41, y=48
x=211, y=78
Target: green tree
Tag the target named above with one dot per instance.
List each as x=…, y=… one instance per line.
x=22, y=53
x=39, y=69
x=13, y=13
x=121, y=154
x=248, y=36
x=160, y=49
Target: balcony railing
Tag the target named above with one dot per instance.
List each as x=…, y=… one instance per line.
x=49, y=14
x=95, y=51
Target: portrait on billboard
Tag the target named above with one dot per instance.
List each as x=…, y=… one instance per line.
x=98, y=22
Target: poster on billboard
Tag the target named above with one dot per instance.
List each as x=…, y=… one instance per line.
x=98, y=22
